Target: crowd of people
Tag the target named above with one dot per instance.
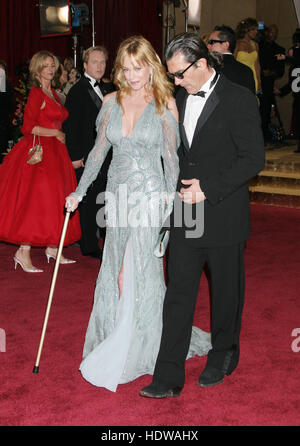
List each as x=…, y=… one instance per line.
x=251, y=46
x=173, y=170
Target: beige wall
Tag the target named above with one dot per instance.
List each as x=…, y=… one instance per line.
x=230, y=12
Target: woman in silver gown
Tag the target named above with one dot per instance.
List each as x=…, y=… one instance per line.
x=140, y=122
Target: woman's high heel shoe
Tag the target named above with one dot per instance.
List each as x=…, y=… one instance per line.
x=27, y=270
x=63, y=260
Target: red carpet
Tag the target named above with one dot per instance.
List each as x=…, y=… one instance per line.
x=263, y=391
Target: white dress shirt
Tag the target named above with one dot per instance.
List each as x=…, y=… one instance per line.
x=194, y=107
x=96, y=89
x=2, y=81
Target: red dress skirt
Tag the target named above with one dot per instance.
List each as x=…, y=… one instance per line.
x=32, y=197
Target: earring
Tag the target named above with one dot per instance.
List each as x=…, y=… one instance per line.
x=150, y=78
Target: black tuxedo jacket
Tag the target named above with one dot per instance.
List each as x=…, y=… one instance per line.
x=238, y=72
x=83, y=105
x=226, y=152
x=268, y=61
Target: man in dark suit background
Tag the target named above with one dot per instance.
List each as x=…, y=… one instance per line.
x=292, y=85
x=222, y=149
x=271, y=69
x=83, y=103
x=223, y=40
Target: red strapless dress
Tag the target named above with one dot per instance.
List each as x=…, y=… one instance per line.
x=32, y=197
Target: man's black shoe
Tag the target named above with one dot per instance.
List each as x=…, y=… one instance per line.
x=211, y=377
x=153, y=391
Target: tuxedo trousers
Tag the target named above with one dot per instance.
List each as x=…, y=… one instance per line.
x=266, y=101
x=227, y=285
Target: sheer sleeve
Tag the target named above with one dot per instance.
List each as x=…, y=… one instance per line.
x=97, y=154
x=171, y=141
x=32, y=111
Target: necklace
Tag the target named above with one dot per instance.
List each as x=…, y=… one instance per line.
x=49, y=94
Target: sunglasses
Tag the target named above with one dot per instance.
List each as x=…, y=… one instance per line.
x=212, y=41
x=179, y=74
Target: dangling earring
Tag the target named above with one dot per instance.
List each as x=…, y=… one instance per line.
x=150, y=79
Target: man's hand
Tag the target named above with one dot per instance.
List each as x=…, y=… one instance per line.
x=77, y=164
x=276, y=91
x=192, y=194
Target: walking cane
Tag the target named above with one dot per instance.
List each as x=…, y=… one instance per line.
x=61, y=243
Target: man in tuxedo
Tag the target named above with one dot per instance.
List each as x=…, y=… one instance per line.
x=83, y=103
x=271, y=69
x=223, y=40
x=222, y=149
x=292, y=85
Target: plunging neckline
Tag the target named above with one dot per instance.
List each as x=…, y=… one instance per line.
x=137, y=121
x=52, y=98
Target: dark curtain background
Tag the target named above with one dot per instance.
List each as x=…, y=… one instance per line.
x=114, y=21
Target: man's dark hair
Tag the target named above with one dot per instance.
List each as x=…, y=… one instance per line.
x=193, y=48
x=228, y=35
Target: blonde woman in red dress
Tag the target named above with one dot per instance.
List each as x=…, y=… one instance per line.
x=32, y=196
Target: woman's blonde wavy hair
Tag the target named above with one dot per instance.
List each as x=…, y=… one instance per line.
x=144, y=54
x=37, y=63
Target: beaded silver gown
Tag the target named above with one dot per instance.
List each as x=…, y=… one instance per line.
x=123, y=334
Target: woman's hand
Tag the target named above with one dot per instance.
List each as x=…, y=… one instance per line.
x=71, y=203
x=61, y=136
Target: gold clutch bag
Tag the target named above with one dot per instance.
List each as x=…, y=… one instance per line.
x=36, y=152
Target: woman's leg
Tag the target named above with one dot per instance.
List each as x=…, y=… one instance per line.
x=51, y=253
x=22, y=257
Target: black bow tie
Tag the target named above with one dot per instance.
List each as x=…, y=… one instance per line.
x=200, y=93
x=203, y=93
x=95, y=84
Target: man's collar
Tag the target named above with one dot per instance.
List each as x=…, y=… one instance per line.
x=93, y=80
x=206, y=86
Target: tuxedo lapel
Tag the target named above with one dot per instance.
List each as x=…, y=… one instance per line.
x=182, y=107
x=209, y=107
x=95, y=98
